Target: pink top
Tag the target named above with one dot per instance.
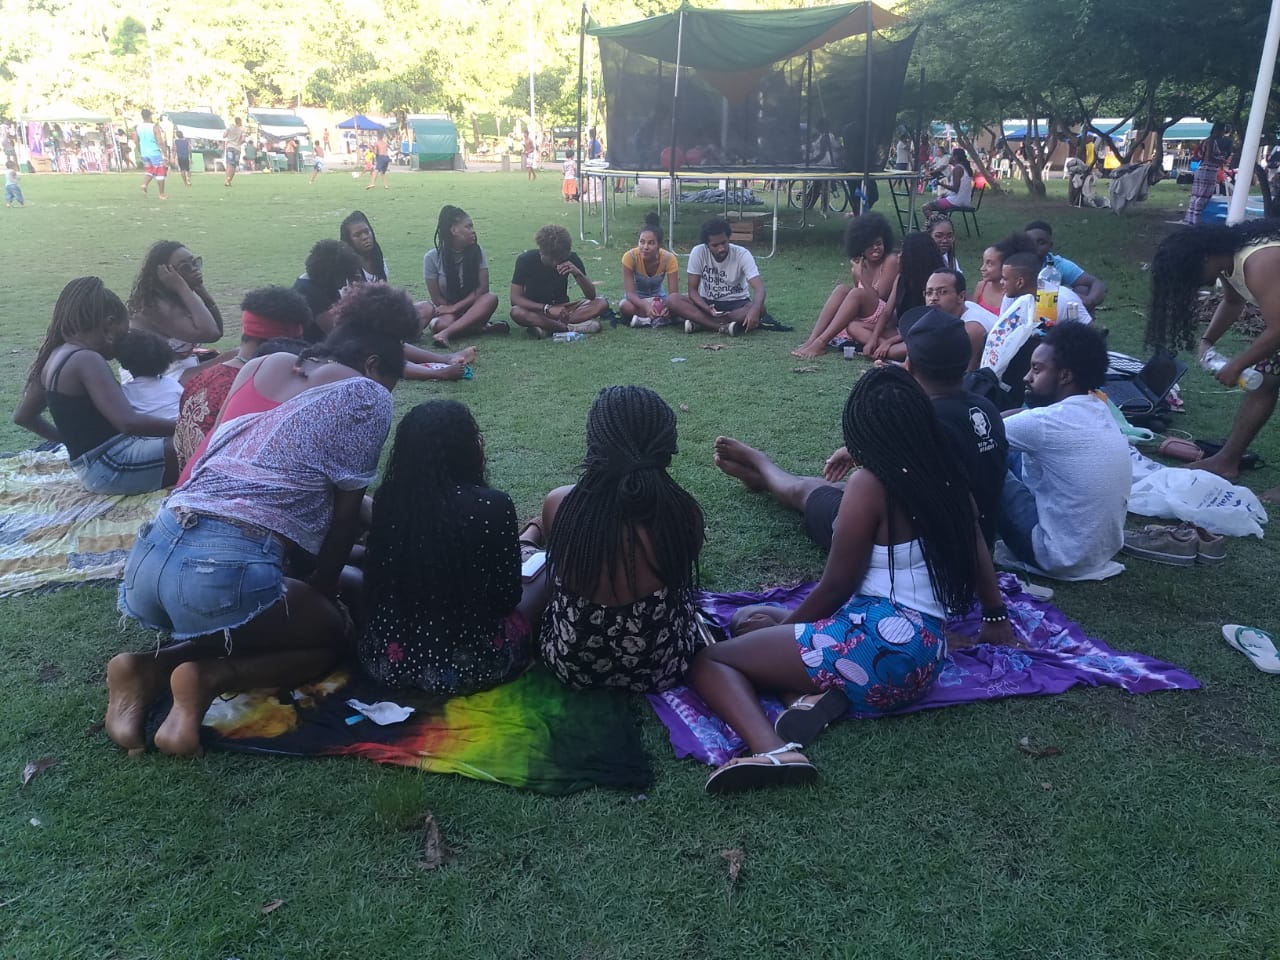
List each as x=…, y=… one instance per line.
x=245, y=401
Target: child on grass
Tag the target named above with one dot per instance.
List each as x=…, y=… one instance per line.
x=12, y=192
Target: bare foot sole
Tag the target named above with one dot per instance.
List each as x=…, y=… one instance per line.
x=1271, y=496
x=740, y=462
x=133, y=681
x=1214, y=465
x=179, y=735
x=464, y=356
x=807, y=351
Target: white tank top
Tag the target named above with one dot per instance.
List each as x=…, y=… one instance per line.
x=911, y=585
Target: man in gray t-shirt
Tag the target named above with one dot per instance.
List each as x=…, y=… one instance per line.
x=726, y=293
x=233, y=140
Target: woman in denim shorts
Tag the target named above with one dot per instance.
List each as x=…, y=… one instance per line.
x=210, y=569
x=113, y=449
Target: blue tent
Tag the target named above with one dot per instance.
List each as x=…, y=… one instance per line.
x=360, y=122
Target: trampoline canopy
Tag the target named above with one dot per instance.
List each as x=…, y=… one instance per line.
x=360, y=122
x=742, y=41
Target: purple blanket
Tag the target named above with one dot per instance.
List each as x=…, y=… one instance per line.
x=1057, y=657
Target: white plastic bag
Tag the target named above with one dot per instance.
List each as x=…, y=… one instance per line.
x=1009, y=333
x=1201, y=497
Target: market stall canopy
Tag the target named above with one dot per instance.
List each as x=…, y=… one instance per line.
x=1189, y=128
x=435, y=140
x=278, y=124
x=360, y=122
x=65, y=113
x=199, y=122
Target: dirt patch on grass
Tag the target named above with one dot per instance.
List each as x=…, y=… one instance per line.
x=1217, y=722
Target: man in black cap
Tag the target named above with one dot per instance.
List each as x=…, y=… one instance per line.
x=937, y=354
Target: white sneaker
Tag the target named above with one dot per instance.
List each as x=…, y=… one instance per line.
x=637, y=322
x=689, y=327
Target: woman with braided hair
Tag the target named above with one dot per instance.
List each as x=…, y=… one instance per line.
x=1245, y=260
x=623, y=546
x=457, y=275
x=906, y=551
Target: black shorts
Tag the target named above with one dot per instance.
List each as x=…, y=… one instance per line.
x=820, y=509
x=728, y=306
x=383, y=162
x=184, y=164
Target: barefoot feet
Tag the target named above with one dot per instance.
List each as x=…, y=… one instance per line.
x=179, y=735
x=809, y=350
x=133, y=681
x=1216, y=464
x=741, y=462
x=1271, y=496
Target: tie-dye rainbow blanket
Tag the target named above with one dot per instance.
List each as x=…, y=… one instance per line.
x=533, y=733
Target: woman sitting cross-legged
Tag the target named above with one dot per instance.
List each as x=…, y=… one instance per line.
x=210, y=569
x=113, y=448
x=623, y=546
x=906, y=551
x=446, y=611
x=457, y=275
x=645, y=270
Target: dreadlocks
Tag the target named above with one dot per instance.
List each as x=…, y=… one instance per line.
x=891, y=429
x=418, y=535
x=373, y=260
x=451, y=257
x=1177, y=273
x=84, y=306
x=147, y=288
x=624, y=489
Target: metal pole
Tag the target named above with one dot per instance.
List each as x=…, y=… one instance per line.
x=577, y=140
x=529, y=45
x=866, y=125
x=675, y=109
x=1257, y=114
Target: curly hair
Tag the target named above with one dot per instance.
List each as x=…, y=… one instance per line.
x=280, y=304
x=919, y=260
x=864, y=231
x=470, y=256
x=331, y=265
x=418, y=535
x=143, y=353
x=553, y=241
x=280, y=345
x=379, y=308
x=1079, y=348
x=625, y=489
x=1177, y=274
x=84, y=306
x=1015, y=242
x=715, y=227
x=891, y=429
x=653, y=224
x=375, y=257
x=147, y=288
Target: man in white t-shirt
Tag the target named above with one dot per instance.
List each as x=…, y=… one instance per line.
x=1018, y=277
x=726, y=293
x=1064, y=503
x=945, y=290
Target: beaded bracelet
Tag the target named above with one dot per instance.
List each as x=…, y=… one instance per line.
x=995, y=615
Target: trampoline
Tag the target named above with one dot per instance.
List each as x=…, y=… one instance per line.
x=778, y=95
x=901, y=185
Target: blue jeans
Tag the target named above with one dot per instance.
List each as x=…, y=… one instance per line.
x=1018, y=513
x=200, y=575
x=124, y=464
x=13, y=194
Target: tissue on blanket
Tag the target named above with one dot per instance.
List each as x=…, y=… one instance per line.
x=1058, y=656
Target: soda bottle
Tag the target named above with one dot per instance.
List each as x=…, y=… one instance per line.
x=1047, y=283
x=569, y=336
x=1213, y=361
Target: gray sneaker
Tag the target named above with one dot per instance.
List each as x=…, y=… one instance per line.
x=586, y=326
x=1177, y=546
x=1212, y=547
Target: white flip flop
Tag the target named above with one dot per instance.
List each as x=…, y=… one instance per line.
x=1255, y=644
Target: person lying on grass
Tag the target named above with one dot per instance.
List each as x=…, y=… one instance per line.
x=457, y=275
x=622, y=552
x=210, y=570
x=650, y=274
x=112, y=447
x=540, y=288
x=445, y=609
x=906, y=551
x=862, y=312
x=726, y=293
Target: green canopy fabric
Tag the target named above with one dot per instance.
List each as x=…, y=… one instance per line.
x=737, y=41
x=196, y=120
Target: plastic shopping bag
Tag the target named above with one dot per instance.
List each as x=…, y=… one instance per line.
x=1010, y=332
x=1201, y=497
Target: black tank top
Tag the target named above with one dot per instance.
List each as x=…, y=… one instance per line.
x=82, y=426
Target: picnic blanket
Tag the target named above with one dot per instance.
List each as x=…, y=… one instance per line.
x=533, y=733
x=1058, y=656
x=54, y=532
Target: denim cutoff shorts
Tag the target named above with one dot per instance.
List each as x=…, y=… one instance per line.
x=197, y=575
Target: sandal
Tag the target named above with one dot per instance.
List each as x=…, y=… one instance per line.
x=529, y=545
x=762, y=770
x=810, y=715
x=1255, y=644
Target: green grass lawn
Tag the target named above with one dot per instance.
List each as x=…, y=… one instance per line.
x=1156, y=832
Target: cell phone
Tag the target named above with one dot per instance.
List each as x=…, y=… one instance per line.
x=533, y=566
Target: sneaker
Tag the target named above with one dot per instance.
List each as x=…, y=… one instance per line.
x=637, y=322
x=1176, y=546
x=536, y=333
x=1212, y=547
x=586, y=326
x=689, y=326
x=731, y=329
x=496, y=327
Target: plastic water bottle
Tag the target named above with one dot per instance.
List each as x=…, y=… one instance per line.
x=1213, y=361
x=1047, y=283
x=569, y=336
